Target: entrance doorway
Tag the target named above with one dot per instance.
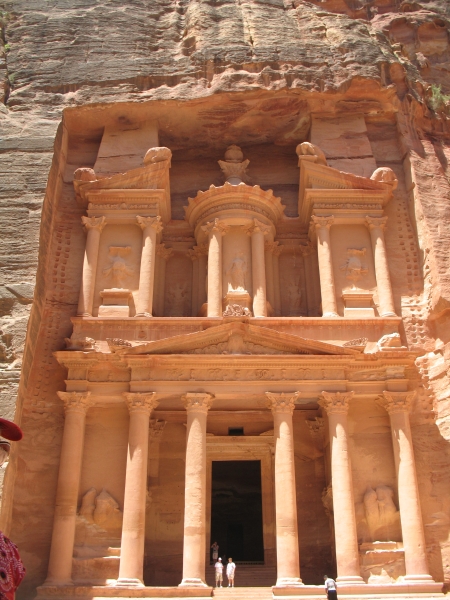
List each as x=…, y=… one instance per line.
x=236, y=510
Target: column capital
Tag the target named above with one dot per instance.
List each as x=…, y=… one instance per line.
x=258, y=227
x=156, y=428
x=163, y=252
x=319, y=222
x=373, y=222
x=396, y=402
x=141, y=402
x=277, y=249
x=201, y=250
x=93, y=223
x=75, y=401
x=215, y=226
x=198, y=402
x=335, y=402
x=154, y=222
x=282, y=403
x=315, y=426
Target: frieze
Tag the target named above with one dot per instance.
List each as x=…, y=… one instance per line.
x=236, y=206
x=122, y=206
x=349, y=206
x=232, y=374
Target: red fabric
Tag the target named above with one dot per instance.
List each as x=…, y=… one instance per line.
x=12, y=570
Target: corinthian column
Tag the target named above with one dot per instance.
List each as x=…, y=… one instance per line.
x=202, y=253
x=322, y=225
x=215, y=230
x=150, y=227
x=288, y=559
x=194, y=547
x=163, y=255
x=376, y=227
x=269, y=274
x=397, y=405
x=257, y=232
x=131, y=570
x=94, y=227
x=347, y=555
x=63, y=536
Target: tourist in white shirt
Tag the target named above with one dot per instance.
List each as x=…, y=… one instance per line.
x=219, y=572
x=231, y=568
x=330, y=587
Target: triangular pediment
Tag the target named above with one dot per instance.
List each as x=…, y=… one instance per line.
x=237, y=338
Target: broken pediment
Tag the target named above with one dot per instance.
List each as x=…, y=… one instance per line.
x=237, y=338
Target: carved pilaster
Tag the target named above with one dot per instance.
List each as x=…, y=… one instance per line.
x=150, y=226
x=335, y=403
x=141, y=402
x=282, y=403
x=75, y=401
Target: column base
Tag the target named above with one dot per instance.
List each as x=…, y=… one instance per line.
x=425, y=578
x=289, y=582
x=193, y=582
x=388, y=314
x=85, y=314
x=329, y=315
x=129, y=582
x=57, y=583
x=350, y=580
x=144, y=314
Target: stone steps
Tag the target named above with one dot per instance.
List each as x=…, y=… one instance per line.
x=247, y=576
x=243, y=593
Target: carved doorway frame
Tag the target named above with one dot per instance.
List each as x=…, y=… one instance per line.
x=225, y=448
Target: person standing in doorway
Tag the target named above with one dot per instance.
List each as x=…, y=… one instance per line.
x=231, y=568
x=219, y=572
x=330, y=588
x=215, y=551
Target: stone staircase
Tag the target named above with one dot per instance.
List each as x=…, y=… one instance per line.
x=243, y=593
x=247, y=576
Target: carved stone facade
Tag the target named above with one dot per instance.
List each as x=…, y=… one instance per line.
x=301, y=351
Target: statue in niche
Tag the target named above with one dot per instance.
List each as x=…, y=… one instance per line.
x=176, y=299
x=118, y=270
x=353, y=266
x=294, y=297
x=378, y=519
x=237, y=273
x=100, y=510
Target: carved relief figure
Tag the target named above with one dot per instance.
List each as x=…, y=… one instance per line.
x=377, y=516
x=119, y=269
x=176, y=299
x=237, y=273
x=353, y=266
x=294, y=296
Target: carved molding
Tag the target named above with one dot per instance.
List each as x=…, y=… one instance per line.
x=282, y=403
x=154, y=222
x=97, y=223
x=75, y=401
x=141, y=402
x=335, y=403
x=198, y=402
x=396, y=402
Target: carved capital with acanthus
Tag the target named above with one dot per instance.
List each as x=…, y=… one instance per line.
x=75, y=401
x=396, y=402
x=141, y=402
x=282, y=403
x=316, y=427
x=277, y=249
x=163, y=252
x=156, y=428
x=335, y=402
x=198, y=402
x=258, y=227
x=216, y=226
x=154, y=222
x=319, y=222
x=376, y=222
x=93, y=223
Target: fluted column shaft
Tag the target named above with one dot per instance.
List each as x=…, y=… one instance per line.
x=347, y=554
x=215, y=231
x=257, y=232
x=398, y=405
x=327, y=288
x=94, y=227
x=63, y=535
x=276, y=251
x=150, y=226
x=194, y=546
x=131, y=570
x=288, y=556
x=376, y=227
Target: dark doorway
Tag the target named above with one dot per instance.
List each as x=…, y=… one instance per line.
x=236, y=510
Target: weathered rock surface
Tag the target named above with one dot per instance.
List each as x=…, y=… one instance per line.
x=269, y=71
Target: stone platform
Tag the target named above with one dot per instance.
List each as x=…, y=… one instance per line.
x=82, y=592
x=385, y=591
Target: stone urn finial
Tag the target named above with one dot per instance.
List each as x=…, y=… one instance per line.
x=234, y=166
